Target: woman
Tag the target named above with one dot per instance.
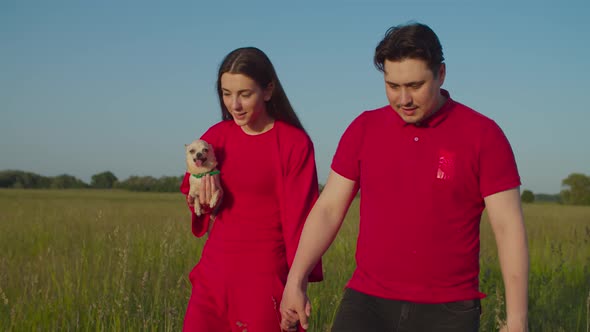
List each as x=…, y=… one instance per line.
x=269, y=182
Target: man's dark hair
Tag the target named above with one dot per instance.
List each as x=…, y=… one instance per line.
x=410, y=41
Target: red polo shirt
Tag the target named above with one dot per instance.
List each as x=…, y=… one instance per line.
x=422, y=195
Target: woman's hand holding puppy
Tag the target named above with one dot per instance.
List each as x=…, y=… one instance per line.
x=209, y=189
x=209, y=193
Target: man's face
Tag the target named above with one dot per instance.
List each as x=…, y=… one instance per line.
x=412, y=89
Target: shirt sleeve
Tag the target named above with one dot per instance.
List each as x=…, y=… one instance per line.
x=301, y=192
x=346, y=161
x=200, y=225
x=497, y=165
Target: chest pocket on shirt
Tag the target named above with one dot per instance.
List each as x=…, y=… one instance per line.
x=454, y=179
x=446, y=166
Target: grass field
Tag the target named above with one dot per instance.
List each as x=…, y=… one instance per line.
x=92, y=260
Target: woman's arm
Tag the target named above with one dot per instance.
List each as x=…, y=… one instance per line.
x=301, y=190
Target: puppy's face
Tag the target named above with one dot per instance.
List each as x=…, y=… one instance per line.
x=200, y=157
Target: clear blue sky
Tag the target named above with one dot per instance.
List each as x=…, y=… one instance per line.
x=87, y=87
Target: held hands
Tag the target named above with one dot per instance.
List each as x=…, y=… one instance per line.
x=295, y=306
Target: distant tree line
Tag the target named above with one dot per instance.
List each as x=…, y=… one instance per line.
x=576, y=191
x=527, y=196
x=576, y=187
x=105, y=180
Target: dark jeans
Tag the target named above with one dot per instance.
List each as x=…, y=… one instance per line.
x=359, y=312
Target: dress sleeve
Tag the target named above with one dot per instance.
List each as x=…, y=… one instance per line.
x=301, y=192
x=200, y=225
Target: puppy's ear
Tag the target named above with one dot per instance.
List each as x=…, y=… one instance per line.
x=185, y=145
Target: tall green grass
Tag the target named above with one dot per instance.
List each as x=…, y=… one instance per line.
x=89, y=260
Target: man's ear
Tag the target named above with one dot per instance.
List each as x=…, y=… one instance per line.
x=442, y=72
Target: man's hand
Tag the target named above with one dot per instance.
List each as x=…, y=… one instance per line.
x=295, y=306
x=517, y=327
x=515, y=324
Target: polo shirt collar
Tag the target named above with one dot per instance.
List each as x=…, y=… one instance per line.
x=433, y=120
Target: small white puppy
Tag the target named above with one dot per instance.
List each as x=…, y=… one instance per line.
x=200, y=160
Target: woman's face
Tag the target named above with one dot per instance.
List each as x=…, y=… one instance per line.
x=245, y=101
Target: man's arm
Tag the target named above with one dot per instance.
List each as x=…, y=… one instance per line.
x=505, y=215
x=322, y=225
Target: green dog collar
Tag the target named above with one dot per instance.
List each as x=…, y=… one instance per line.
x=200, y=175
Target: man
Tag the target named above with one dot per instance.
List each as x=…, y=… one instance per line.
x=426, y=167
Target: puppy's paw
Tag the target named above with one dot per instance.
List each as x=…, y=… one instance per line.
x=198, y=211
x=190, y=200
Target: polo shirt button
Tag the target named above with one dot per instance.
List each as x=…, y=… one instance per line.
x=416, y=139
x=414, y=252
